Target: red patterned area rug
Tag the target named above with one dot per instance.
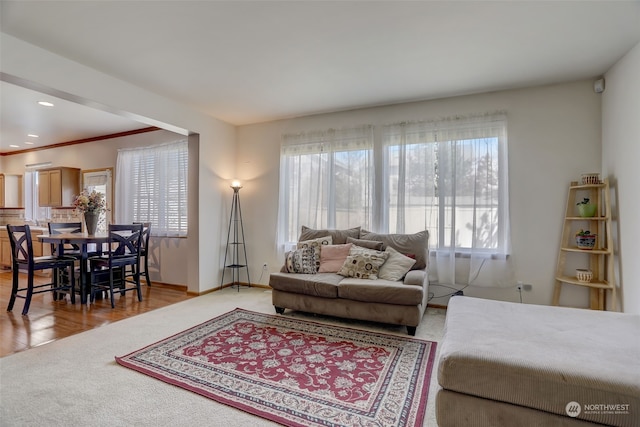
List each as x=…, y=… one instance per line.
x=296, y=372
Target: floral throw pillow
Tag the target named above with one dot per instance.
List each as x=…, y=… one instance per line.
x=301, y=260
x=363, y=263
x=315, y=245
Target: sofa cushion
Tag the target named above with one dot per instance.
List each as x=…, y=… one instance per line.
x=301, y=260
x=332, y=257
x=381, y=291
x=339, y=236
x=320, y=285
x=369, y=244
x=411, y=245
x=396, y=265
x=315, y=245
x=363, y=263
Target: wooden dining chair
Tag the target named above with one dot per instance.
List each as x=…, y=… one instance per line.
x=144, y=250
x=22, y=258
x=109, y=270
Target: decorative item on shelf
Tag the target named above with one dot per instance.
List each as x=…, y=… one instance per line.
x=584, y=275
x=586, y=209
x=585, y=240
x=91, y=205
x=590, y=178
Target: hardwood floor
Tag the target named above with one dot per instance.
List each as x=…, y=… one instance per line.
x=50, y=320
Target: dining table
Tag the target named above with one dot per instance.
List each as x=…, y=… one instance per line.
x=82, y=240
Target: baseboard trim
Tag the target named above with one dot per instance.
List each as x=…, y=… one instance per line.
x=228, y=285
x=181, y=288
x=437, y=306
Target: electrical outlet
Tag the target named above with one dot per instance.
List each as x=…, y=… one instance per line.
x=264, y=265
x=519, y=286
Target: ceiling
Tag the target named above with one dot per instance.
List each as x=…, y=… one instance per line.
x=254, y=61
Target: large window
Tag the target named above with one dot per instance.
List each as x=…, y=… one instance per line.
x=447, y=176
x=325, y=180
x=151, y=186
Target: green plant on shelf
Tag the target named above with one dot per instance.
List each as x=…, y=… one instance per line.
x=586, y=209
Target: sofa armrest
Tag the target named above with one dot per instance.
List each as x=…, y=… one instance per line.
x=416, y=277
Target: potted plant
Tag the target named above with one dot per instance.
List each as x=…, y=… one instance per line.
x=585, y=240
x=586, y=209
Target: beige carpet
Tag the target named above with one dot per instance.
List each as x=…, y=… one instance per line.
x=76, y=381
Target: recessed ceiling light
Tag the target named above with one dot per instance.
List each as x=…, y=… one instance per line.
x=28, y=142
x=33, y=135
x=14, y=146
x=45, y=103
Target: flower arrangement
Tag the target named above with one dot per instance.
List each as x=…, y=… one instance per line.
x=93, y=202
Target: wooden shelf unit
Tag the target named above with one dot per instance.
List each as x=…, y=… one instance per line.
x=599, y=259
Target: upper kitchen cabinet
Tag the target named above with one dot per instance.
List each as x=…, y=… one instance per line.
x=10, y=191
x=58, y=187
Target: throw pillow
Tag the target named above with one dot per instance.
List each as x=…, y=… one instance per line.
x=301, y=260
x=332, y=257
x=339, y=236
x=413, y=245
x=315, y=245
x=369, y=244
x=363, y=263
x=396, y=266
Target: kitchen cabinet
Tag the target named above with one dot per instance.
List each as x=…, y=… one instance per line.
x=58, y=187
x=10, y=191
x=5, y=249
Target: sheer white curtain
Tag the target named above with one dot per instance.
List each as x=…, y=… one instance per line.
x=450, y=177
x=151, y=186
x=326, y=181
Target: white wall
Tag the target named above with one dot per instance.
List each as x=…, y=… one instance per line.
x=215, y=146
x=620, y=155
x=554, y=137
x=168, y=263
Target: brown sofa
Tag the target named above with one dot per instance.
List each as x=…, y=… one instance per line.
x=401, y=302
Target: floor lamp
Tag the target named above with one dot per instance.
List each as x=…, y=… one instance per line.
x=236, y=243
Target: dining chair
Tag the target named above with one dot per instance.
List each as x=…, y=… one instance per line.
x=22, y=257
x=144, y=249
x=69, y=250
x=110, y=269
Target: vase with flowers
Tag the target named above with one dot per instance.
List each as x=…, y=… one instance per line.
x=91, y=205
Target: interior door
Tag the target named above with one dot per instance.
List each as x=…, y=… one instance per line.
x=101, y=180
